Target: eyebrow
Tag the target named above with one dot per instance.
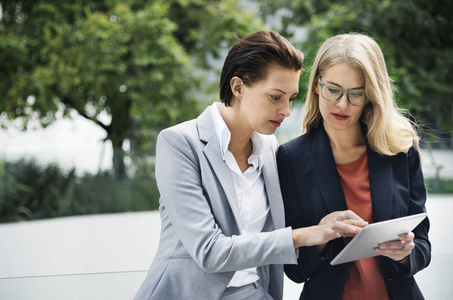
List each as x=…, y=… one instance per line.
x=357, y=88
x=284, y=93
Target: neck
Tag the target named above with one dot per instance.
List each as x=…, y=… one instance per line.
x=346, y=139
x=240, y=143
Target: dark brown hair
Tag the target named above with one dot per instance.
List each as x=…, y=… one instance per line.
x=251, y=57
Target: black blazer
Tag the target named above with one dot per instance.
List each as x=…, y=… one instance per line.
x=311, y=189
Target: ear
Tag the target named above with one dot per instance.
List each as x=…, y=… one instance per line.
x=316, y=85
x=237, y=86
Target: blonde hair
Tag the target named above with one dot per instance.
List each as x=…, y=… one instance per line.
x=389, y=131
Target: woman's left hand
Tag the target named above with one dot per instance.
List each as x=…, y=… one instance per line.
x=398, y=250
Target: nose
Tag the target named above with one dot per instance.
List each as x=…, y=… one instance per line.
x=285, y=109
x=343, y=101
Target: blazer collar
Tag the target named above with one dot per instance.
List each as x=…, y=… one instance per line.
x=213, y=154
x=381, y=184
x=380, y=170
x=205, y=126
x=325, y=171
x=212, y=151
x=272, y=185
x=380, y=175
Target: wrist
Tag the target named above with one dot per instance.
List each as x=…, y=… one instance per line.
x=402, y=260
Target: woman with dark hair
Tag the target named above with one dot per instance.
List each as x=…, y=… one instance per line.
x=223, y=234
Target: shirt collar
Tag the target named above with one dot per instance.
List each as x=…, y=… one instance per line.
x=224, y=137
x=256, y=159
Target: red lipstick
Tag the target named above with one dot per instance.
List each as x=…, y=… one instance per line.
x=276, y=123
x=340, y=117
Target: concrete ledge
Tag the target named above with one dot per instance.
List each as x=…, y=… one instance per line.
x=107, y=256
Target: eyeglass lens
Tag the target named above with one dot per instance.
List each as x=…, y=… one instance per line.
x=333, y=93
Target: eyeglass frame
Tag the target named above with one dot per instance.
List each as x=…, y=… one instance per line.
x=347, y=92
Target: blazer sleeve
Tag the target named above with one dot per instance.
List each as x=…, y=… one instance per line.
x=420, y=256
x=179, y=178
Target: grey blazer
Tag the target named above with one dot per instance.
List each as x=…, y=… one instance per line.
x=201, y=245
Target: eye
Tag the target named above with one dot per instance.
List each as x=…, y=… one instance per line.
x=275, y=98
x=357, y=94
x=333, y=90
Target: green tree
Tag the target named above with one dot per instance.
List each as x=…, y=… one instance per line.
x=416, y=37
x=141, y=63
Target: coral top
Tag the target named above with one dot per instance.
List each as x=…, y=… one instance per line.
x=365, y=279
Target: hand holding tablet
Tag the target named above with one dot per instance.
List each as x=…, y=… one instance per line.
x=397, y=250
x=373, y=235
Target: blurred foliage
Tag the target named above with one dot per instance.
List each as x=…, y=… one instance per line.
x=29, y=191
x=416, y=37
x=439, y=185
x=140, y=63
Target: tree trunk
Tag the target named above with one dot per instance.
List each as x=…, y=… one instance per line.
x=119, y=129
x=118, y=159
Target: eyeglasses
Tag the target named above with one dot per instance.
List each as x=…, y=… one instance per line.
x=331, y=92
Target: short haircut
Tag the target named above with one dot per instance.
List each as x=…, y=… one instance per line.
x=251, y=57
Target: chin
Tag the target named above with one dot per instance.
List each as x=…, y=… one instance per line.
x=339, y=125
x=267, y=131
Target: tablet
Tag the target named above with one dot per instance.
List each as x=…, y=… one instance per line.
x=363, y=244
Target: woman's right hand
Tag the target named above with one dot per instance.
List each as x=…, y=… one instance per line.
x=341, y=216
x=347, y=216
x=323, y=233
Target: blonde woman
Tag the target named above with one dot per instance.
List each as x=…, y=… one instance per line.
x=358, y=152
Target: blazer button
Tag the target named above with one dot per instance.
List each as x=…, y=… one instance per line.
x=389, y=276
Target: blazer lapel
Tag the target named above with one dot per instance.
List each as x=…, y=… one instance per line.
x=381, y=178
x=380, y=170
x=213, y=154
x=271, y=182
x=325, y=170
